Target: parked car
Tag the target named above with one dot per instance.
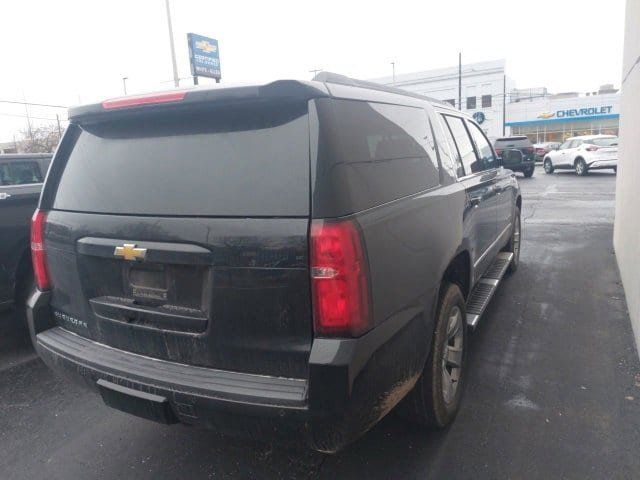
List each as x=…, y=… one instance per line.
x=522, y=143
x=584, y=153
x=294, y=257
x=21, y=177
x=541, y=149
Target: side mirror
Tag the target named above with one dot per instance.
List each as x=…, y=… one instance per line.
x=511, y=157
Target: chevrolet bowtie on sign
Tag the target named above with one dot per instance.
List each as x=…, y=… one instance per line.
x=128, y=251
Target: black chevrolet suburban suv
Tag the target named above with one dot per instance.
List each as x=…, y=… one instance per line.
x=526, y=162
x=297, y=257
x=21, y=178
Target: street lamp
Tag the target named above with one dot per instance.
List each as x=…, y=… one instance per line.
x=124, y=84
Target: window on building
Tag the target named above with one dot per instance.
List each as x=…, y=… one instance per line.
x=463, y=142
x=471, y=103
x=486, y=101
x=451, y=102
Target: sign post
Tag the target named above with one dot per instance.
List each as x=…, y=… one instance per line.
x=204, y=57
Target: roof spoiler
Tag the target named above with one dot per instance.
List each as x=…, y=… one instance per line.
x=187, y=99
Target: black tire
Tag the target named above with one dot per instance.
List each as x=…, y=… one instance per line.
x=529, y=172
x=515, y=242
x=615, y=169
x=426, y=403
x=548, y=166
x=581, y=167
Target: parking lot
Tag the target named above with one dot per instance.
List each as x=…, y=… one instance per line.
x=553, y=390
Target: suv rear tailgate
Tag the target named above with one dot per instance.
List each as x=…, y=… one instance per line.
x=185, y=238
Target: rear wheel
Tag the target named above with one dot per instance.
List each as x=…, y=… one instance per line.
x=435, y=399
x=528, y=172
x=581, y=167
x=548, y=166
x=615, y=169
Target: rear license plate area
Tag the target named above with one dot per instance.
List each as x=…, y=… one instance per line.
x=148, y=284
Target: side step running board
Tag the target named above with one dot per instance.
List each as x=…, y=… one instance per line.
x=486, y=287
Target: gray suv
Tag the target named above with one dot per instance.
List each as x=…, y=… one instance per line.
x=21, y=178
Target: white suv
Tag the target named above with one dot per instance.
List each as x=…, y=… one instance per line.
x=589, y=152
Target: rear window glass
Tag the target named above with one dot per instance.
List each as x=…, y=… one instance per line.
x=20, y=173
x=234, y=161
x=372, y=153
x=603, y=142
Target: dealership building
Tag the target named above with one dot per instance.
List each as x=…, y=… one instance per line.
x=547, y=118
x=531, y=111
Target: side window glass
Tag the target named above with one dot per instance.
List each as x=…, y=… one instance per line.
x=463, y=142
x=565, y=145
x=4, y=174
x=20, y=173
x=453, y=149
x=576, y=143
x=402, y=137
x=487, y=158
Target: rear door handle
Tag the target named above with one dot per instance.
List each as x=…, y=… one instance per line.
x=4, y=195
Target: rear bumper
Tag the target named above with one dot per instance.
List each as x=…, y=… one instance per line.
x=523, y=166
x=352, y=382
x=189, y=389
x=606, y=163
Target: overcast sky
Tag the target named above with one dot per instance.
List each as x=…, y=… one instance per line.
x=67, y=52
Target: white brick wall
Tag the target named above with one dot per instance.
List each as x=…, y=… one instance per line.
x=626, y=237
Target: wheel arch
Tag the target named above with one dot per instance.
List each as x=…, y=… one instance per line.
x=458, y=271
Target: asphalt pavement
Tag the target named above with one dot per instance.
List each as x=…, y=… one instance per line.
x=553, y=388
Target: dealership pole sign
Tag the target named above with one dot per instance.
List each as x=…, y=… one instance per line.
x=204, y=56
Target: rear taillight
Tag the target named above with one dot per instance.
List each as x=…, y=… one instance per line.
x=591, y=148
x=540, y=151
x=38, y=255
x=339, y=279
x=499, y=151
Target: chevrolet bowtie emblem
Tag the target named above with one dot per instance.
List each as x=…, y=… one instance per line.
x=129, y=252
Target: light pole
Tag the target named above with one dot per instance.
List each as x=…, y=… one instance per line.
x=393, y=72
x=176, y=80
x=315, y=72
x=124, y=84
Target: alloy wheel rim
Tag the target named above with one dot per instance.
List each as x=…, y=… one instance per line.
x=452, y=355
x=547, y=166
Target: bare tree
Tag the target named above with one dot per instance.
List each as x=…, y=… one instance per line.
x=39, y=139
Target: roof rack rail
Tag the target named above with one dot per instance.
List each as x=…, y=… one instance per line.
x=330, y=77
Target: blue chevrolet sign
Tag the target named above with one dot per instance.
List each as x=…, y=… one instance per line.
x=583, y=112
x=204, y=56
